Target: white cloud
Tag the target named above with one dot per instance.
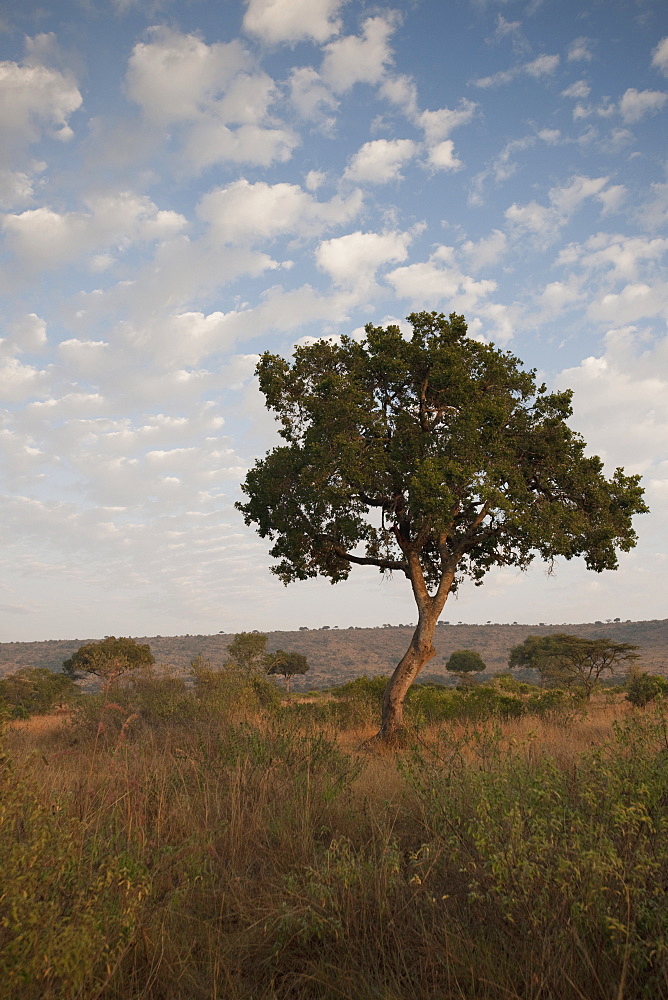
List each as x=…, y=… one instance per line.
x=34, y=97
x=360, y=58
x=653, y=213
x=174, y=76
x=636, y=104
x=352, y=260
x=580, y=50
x=545, y=65
x=636, y=301
x=442, y=156
x=401, y=91
x=245, y=212
x=579, y=90
x=312, y=99
x=545, y=221
x=439, y=124
x=277, y=21
x=660, y=56
x=43, y=238
x=440, y=280
x=486, y=251
x=211, y=142
x=621, y=398
x=178, y=79
x=380, y=161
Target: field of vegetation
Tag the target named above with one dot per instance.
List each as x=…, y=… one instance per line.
x=159, y=840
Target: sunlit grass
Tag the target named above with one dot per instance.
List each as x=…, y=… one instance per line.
x=160, y=845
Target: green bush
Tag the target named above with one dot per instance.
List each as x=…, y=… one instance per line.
x=644, y=688
x=69, y=907
x=36, y=690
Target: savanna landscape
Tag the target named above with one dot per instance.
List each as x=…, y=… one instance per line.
x=196, y=833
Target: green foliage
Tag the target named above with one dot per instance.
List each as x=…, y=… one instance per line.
x=466, y=462
x=232, y=691
x=465, y=661
x=248, y=653
x=69, y=907
x=35, y=690
x=643, y=688
x=567, y=660
x=287, y=665
x=577, y=861
x=109, y=658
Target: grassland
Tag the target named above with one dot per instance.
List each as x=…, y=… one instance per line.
x=158, y=842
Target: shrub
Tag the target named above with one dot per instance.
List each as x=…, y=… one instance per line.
x=643, y=688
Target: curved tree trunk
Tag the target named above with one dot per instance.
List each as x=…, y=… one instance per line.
x=420, y=651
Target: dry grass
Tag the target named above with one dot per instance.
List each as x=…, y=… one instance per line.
x=259, y=859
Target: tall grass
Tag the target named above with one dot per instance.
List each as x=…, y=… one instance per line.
x=188, y=845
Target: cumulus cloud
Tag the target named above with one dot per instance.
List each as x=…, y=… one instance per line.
x=312, y=99
x=354, y=259
x=173, y=77
x=44, y=238
x=34, y=97
x=636, y=104
x=545, y=221
x=360, y=58
x=380, y=161
x=206, y=90
x=579, y=90
x=486, y=251
x=440, y=279
x=245, y=213
x=660, y=56
x=275, y=21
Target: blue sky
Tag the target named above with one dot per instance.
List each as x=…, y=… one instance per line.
x=186, y=184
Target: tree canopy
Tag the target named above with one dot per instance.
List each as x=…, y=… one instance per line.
x=436, y=456
x=287, y=665
x=465, y=661
x=571, y=660
x=109, y=658
x=248, y=653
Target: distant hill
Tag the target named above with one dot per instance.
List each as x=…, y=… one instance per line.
x=338, y=655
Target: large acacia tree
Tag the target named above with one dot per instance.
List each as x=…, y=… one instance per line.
x=435, y=456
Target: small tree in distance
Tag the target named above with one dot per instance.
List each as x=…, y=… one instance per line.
x=287, y=666
x=109, y=658
x=569, y=660
x=248, y=653
x=435, y=456
x=465, y=661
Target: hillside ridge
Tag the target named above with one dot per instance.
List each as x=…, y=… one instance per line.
x=339, y=655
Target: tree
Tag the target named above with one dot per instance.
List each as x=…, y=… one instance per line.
x=287, y=665
x=465, y=661
x=567, y=660
x=109, y=658
x=35, y=690
x=436, y=457
x=643, y=688
x=248, y=653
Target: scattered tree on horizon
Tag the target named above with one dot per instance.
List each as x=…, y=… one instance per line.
x=465, y=661
x=569, y=660
x=435, y=456
x=248, y=653
x=287, y=665
x=109, y=658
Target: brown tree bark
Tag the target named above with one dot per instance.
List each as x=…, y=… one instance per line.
x=420, y=651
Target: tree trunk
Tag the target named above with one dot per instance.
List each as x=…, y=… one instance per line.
x=420, y=651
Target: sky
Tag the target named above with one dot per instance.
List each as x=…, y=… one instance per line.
x=188, y=183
